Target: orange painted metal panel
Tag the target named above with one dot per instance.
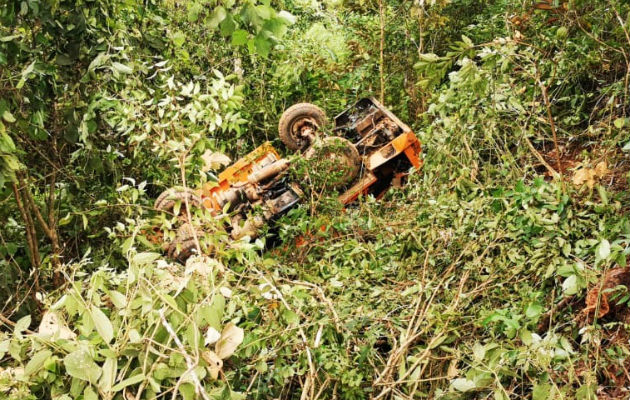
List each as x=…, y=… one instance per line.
x=237, y=172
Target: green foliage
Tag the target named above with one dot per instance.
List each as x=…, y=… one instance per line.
x=468, y=283
x=9, y=163
x=123, y=321
x=258, y=26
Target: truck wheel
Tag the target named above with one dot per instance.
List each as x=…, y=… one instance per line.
x=333, y=161
x=186, y=249
x=185, y=246
x=167, y=199
x=299, y=124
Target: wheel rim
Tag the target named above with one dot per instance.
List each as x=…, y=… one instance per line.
x=303, y=130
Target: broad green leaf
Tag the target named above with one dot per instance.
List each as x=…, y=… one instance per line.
x=89, y=394
x=562, y=33
x=80, y=365
x=570, y=285
x=145, y=258
x=15, y=348
x=6, y=143
x=227, y=26
x=264, y=11
x=603, y=250
x=602, y=194
x=118, y=299
x=193, y=11
x=4, y=347
x=76, y=388
x=98, y=61
x=287, y=17
x=276, y=26
x=9, y=38
x=125, y=247
x=479, y=351
x=261, y=366
x=290, y=317
x=108, y=376
x=102, y=323
x=499, y=394
x=463, y=384
x=621, y=122
x=134, y=336
x=533, y=310
x=466, y=40
x=22, y=325
x=187, y=390
x=586, y=392
x=8, y=117
x=231, y=337
x=541, y=391
x=122, y=68
x=25, y=75
x=178, y=38
x=217, y=16
x=164, y=371
x=262, y=45
x=429, y=57
x=36, y=362
x=127, y=382
x=213, y=313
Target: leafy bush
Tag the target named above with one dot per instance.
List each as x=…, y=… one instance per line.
x=472, y=281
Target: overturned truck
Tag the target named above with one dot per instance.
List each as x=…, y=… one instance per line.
x=365, y=151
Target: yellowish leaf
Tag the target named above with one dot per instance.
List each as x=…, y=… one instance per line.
x=51, y=326
x=601, y=169
x=214, y=363
x=231, y=337
x=584, y=175
x=214, y=160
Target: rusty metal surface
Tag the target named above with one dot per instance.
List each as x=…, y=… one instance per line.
x=358, y=189
x=390, y=150
x=268, y=171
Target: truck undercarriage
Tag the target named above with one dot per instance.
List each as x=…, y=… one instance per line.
x=367, y=150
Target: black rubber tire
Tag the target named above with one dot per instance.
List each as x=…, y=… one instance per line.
x=184, y=244
x=335, y=160
x=186, y=249
x=185, y=240
x=295, y=114
x=167, y=199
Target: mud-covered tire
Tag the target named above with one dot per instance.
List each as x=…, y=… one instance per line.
x=167, y=199
x=186, y=250
x=184, y=244
x=333, y=161
x=297, y=117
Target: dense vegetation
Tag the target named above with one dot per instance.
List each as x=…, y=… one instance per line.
x=475, y=280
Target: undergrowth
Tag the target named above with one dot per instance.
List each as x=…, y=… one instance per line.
x=483, y=277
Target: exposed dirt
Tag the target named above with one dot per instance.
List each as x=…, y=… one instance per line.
x=576, y=157
x=599, y=301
